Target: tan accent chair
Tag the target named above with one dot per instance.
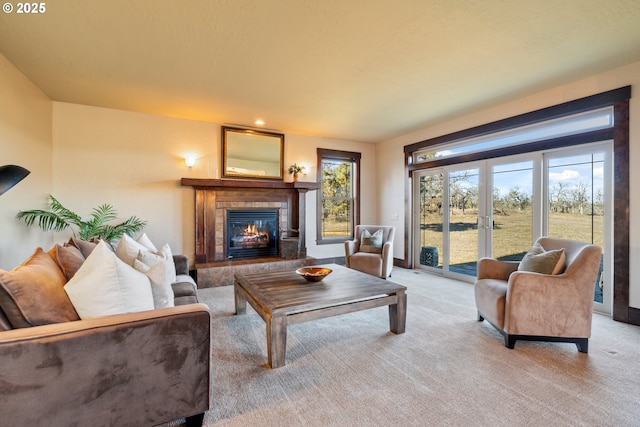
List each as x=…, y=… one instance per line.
x=376, y=264
x=537, y=307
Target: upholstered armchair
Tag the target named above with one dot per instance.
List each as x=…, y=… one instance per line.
x=525, y=305
x=374, y=254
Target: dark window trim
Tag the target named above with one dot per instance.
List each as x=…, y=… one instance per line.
x=351, y=156
x=619, y=99
x=564, y=141
x=592, y=102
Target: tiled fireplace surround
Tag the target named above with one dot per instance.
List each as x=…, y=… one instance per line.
x=213, y=197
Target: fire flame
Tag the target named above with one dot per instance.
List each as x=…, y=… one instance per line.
x=253, y=232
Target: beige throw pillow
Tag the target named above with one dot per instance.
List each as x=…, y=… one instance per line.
x=538, y=260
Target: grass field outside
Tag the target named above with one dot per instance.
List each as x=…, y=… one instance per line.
x=512, y=233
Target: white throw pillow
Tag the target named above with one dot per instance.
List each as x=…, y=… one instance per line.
x=146, y=242
x=128, y=249
x=168, y=260
x=161, y=273
x=160, y=287
x=105, y=285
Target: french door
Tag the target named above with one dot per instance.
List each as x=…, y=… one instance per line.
x=583, y=211
x=497, y=208
x=449, y=205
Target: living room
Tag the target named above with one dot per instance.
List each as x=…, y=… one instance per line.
x=87, y=154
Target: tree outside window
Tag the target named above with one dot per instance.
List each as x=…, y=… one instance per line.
x=338, y=198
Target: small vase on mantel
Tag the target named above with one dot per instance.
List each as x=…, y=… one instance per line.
x=294, y=170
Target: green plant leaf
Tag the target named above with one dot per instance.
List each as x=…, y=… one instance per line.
x=59, y=218
x=46, y=220
x=63, y=213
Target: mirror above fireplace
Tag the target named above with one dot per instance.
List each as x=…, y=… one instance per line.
x=248, y=153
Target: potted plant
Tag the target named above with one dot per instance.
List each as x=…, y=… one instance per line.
x=294, y=170
x=99, y=225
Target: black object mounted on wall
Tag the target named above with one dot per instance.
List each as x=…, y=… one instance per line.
x=10, y=175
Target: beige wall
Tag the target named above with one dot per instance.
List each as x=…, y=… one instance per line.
x=25, y=140
x=390, y=156
x=135, y=161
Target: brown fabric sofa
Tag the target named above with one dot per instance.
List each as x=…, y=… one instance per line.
x=531, y=306
x=135, y=369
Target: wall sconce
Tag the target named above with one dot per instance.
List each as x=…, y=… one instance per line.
x=306, y=168
x=190, y=161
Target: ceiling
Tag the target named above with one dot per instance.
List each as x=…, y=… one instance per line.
x=361, y=70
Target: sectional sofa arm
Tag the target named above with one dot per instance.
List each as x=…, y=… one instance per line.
x=138, y=369
x=182, y=264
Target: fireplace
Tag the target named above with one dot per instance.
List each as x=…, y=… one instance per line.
x=252, y=233
x=214, y=198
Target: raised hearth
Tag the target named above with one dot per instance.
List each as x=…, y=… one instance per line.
x=222, y=273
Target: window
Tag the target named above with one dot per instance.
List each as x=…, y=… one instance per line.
x=574, y=124
x=339, y=195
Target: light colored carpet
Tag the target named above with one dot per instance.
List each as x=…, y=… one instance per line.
x=447, y=369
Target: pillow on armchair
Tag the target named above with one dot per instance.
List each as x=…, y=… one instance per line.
x=538, y=260
x=371, y=243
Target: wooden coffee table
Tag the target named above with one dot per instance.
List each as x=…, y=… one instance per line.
x=284, y=298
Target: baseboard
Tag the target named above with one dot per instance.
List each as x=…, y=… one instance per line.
x=340, y=260
x=400, y=262
x=634, y=316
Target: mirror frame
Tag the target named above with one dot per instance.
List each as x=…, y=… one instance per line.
x=233, y=137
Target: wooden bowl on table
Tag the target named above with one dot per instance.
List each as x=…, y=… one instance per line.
x=314, y=274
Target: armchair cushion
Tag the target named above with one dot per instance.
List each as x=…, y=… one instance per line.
x=537, y=260
x=33, y=294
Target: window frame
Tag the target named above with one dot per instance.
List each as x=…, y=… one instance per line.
x=354, y=158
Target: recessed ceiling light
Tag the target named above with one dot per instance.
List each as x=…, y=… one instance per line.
x=259, y=122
